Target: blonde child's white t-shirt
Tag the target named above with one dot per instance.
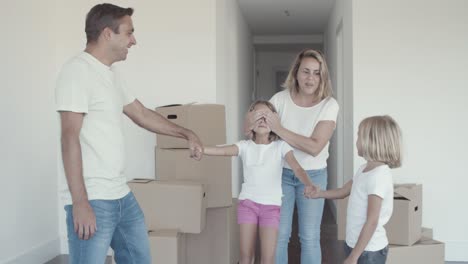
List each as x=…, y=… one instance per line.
x=374, y=182
x=85, y=85
x=303, y=120
x=263, y=167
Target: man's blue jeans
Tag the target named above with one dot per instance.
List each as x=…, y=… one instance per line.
x=309, y=216
x=120, y=225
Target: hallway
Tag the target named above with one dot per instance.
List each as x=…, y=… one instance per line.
x=332, y=249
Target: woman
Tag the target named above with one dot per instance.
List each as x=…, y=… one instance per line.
x=306, y=120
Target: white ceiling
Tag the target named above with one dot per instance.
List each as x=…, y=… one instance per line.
x=268, y=17
x=292, y=48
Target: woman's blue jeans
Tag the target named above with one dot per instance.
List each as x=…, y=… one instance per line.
x=120, y=225
x=309, y=216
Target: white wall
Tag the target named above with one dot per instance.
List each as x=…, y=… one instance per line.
x=411, y=62
x=234, y=74
x=339, y=56
x=28, y=199
x=174, y=61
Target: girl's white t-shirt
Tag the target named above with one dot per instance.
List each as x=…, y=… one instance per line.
x=303, y=120
x=263, y=167
x=375, y=182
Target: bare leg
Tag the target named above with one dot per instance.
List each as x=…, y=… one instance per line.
x=268, y=239
x=248, y=237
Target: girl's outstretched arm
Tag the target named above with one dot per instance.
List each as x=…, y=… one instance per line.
x=339, y=193
x=226, y=150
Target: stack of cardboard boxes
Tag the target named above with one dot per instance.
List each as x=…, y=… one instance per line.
x=409, y=241
x=189, y=208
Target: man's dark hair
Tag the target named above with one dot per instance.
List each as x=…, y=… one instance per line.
x=102, y=16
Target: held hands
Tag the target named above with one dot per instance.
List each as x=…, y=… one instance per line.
x=84, y=220
x=311, y=191
x=195, y=146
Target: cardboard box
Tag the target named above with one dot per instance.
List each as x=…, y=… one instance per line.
x=167, y=246
x=404, y=227
x=213, y=172
x=427, y=232
x=171, y=204
x=206, y=120
x=425, y=251
x=219, y=241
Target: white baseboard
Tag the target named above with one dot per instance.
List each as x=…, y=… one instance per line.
x=39, y=254
x=63, y=244
x=456, y=250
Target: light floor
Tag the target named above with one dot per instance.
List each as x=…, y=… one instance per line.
x=63, y=259
x=332, y=249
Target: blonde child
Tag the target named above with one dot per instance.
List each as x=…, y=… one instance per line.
x=260, y=197
x=371, y=191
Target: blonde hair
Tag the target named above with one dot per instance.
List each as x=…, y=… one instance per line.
x=325, y=88
x=272, y=136
x=381, y=140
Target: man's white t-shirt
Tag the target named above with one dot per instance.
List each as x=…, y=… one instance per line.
x=302, y=120
x=85, y=85
x=263, y=167
x=374, y=182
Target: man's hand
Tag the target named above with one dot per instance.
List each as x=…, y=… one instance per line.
x=84, y=220
x=195, y=146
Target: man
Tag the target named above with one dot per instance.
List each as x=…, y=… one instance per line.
x=90, y=97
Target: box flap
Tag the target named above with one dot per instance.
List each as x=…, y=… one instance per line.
x=169, y=105
x=426, y=232
x=141, y=180
x=164, y=233
x=174, y=105
x=429, y=242
x=405, y=191
x=180, y=182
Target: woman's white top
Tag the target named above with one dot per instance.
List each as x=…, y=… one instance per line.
x=303, y=120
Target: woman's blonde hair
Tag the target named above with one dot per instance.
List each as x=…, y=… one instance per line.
x=272, y=136
x=325, y=88
x=380, y=138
